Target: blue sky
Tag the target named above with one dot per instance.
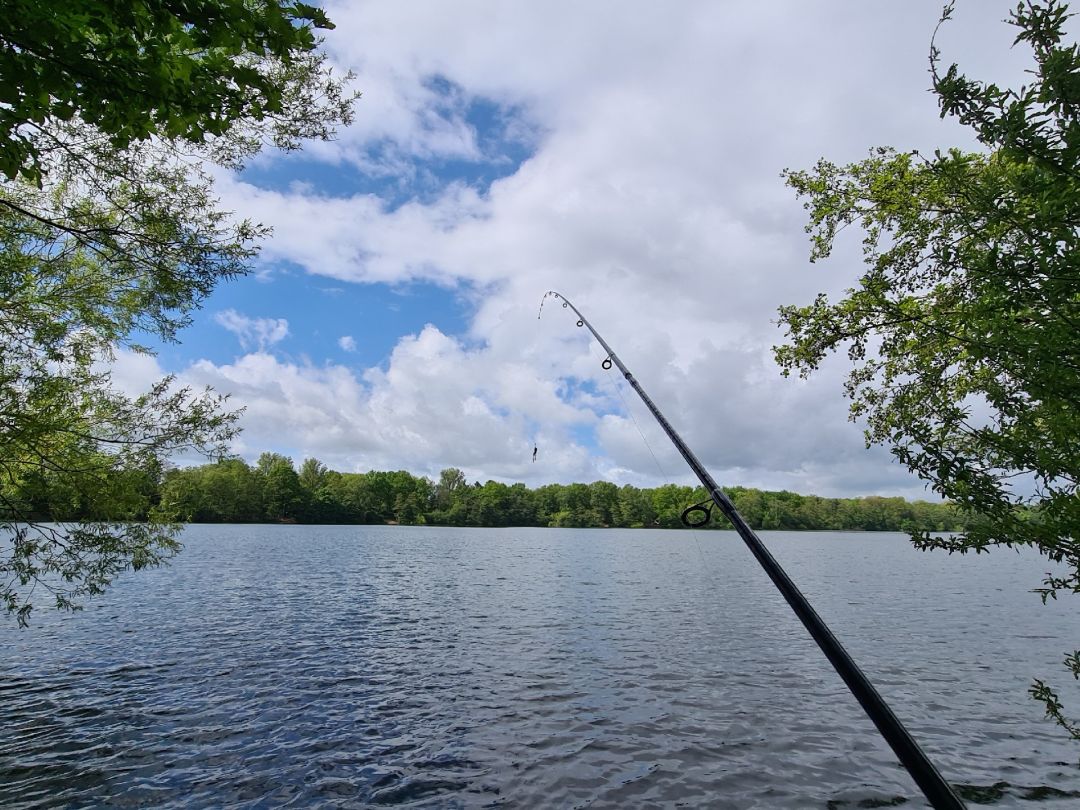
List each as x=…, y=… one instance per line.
x=628, y=156
x=343, y=322
x=320, y=313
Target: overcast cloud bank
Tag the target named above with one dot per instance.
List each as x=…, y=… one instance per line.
x=628, y=156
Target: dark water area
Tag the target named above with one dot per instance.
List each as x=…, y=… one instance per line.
x=365, y=666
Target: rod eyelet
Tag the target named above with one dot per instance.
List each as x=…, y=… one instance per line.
x=690, y=515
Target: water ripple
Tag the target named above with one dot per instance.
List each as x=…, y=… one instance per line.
x=360, y=666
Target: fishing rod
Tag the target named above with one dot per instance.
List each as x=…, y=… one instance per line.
x=938, y=792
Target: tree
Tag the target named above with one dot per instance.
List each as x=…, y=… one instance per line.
x=62, y=424
x=225, y=492
x=520, y=508
x=283, y=494
x=313, y=475
x=669, y=501
x=183, y=71
x=109, y=230
x=636, y=508
x=491, y=505
x=963, y=330
x=604, y=502
x=451, y=482
x=322, y=505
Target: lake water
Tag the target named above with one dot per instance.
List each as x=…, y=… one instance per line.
x=274, y=666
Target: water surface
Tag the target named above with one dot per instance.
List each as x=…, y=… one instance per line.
x=361, y=666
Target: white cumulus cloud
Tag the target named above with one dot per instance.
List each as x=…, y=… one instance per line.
x=253, y=333
x=651, y=196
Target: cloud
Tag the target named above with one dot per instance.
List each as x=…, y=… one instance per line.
x=649, y=192
x=258, y=333
x=436, y=404
x=347, y=343
x=440, y=403
x=134, y=373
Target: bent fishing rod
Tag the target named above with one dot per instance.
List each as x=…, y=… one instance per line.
x=938, y=792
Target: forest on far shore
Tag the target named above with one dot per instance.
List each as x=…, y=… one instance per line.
x=275, y=491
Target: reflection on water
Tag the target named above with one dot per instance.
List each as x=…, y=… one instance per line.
x=345, y=666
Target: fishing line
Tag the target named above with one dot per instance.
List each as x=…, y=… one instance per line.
x=606, y=365
x=933, y=785
x=614, y=383
x=663, y=475
x=626, y=407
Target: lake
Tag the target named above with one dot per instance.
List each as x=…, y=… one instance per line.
x=345, y=666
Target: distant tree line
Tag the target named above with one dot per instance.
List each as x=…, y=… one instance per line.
x=274, y=490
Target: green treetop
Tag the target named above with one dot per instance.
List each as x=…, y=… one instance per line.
x=177, y=70
x=110, y=230
x=964, y=329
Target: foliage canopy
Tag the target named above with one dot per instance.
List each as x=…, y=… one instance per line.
x=231, y=491
x=110, y=233
x=964, y=329
x=176, y=70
